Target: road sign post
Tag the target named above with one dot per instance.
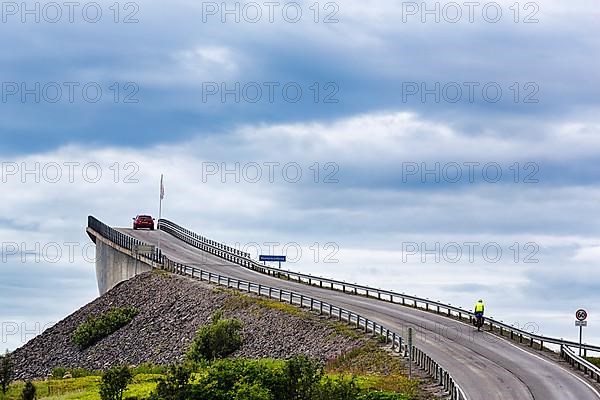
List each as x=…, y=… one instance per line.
x=264, y=258
x=581, y=316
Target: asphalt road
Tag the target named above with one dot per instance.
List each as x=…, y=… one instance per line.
x=485, y=366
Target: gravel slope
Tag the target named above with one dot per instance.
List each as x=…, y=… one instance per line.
x=171, y=310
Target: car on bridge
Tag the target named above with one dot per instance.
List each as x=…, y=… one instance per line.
x=143, y=222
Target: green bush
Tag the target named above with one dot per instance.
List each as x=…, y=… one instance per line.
x=114, y=382
x=217, y=340
x=6, y=372
x=59, y=372
x=176, y=386
x=302, y=375
x=28, y=392
x=251, y=391
x=94, y=329
x=299, y=378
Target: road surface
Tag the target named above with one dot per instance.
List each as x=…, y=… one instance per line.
x=485, y=366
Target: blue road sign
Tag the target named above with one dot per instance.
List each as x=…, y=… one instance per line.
x=271, y=258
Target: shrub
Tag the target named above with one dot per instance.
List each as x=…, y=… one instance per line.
x=94, y=329
x=6, y=372
x=58, y=372
x=28, y=392
x=302, y=376
x=114, y=382
x=254, y=391
x=217, y=340
x=339, y=389
x=176, y=386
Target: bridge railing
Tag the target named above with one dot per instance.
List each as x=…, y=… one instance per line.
x=166, y=225
x=121, y=239
x=508, y=331
x=454, y=391
x=580, y=363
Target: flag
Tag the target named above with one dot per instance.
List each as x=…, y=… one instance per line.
x=162, y=188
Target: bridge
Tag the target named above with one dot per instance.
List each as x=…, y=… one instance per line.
x=502, y=362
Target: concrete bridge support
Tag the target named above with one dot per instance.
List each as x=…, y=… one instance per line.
x=114, y=264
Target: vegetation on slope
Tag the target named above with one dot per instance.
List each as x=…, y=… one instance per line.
x=95, y=329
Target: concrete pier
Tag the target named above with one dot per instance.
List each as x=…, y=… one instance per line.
x=114, y=264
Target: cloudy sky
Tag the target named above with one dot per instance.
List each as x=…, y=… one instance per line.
x=438, y=149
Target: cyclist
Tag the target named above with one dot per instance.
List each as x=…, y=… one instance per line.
x=479, y=310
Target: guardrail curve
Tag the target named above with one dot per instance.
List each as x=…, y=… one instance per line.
x=580, y=363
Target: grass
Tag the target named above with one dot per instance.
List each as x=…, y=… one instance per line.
x=344, y=329
x=376, y=369
x=83, y=388
x=238, y=300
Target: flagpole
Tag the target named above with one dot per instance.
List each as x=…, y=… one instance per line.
x=161, y=195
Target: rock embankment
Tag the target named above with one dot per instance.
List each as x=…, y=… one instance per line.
x=171, y=309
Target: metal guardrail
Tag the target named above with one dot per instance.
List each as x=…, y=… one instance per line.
x=441, y=376
x=508, y=331
x=121, y=239
x=165, y=224
x=580, y=363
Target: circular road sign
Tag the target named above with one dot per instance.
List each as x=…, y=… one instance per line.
x=581, y=315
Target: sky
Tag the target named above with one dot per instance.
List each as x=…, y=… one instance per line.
x=440, y=149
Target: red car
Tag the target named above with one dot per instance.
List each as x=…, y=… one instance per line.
x=143, y=221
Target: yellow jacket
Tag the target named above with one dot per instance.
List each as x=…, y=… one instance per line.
x=479, y=307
